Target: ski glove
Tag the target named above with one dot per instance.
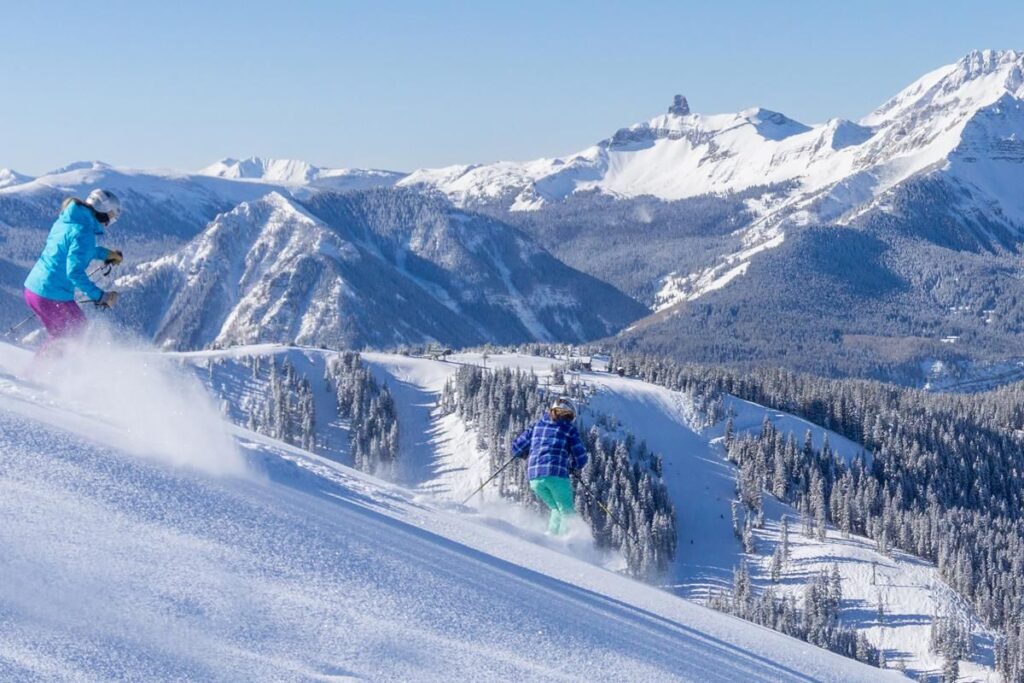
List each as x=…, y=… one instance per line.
x=108, y=299
x=114, y=257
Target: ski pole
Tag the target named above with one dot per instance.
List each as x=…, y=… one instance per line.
x=489, y=479
x=11, y=331
x=106, y=271
x=590, y=494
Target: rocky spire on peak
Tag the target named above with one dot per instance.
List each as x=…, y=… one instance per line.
x=680, y=107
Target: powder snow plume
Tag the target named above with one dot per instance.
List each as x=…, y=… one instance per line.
x=158, y=408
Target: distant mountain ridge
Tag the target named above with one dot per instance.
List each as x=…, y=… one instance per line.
x=683, y=154
x=291, y=172
x=378, y=268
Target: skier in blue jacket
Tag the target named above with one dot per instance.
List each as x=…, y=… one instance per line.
x=554, y=448
x=62, y=267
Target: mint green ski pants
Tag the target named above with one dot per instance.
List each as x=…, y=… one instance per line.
x=556, y=492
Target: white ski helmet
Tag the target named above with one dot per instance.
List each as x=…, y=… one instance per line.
x=564, y=406
x=105, y=202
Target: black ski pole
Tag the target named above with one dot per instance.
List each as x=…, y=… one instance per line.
x=13, y=329
x=489, y=479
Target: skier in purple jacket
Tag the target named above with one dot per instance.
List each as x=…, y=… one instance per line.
x=554, y=448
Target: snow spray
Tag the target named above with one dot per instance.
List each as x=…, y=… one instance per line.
x=155, y=407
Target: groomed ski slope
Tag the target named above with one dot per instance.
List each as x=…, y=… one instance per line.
x=269, y=563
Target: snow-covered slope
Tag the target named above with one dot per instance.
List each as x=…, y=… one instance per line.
x=382, y=268
x=291, y=172
x=440, y=456
x=120, y=565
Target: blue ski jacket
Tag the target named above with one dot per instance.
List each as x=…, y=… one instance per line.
x=553, y=447
x=69, y=249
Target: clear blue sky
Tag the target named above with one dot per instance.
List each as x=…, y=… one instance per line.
x=402, y=85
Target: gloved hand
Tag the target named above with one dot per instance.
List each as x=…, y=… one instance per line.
x=114, y=258
x=108, y=299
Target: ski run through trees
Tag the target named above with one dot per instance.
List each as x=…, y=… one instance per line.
x=288, y=413
x=942, y=476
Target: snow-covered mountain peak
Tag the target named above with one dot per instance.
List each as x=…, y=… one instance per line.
x=265, y=268
x=81, y=166
x=841, y=133
x=982, y=62
x=257, y=168
x=772, y=125
x=10, y=177
x=279, y=203
x=829, y=168
x=680, y=122
x=976, y=80
x=253, y=221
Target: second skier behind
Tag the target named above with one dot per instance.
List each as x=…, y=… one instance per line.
x=554, y=449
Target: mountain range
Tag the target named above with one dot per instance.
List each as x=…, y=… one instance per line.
x=883, y=247
x=376, y=268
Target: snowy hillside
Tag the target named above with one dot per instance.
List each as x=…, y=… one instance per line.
x=230, y=556
x=440, y=456
x=380, y=268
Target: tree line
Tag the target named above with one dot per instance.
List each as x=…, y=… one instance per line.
x=286, y=408
x=942, y=476
x=815, y=619
x=370, y=411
